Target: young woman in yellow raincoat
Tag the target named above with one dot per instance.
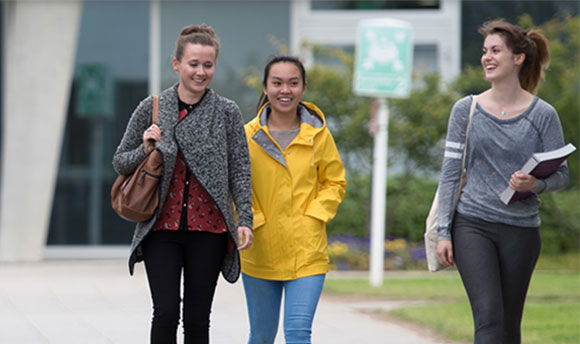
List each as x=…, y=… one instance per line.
x=298, y=181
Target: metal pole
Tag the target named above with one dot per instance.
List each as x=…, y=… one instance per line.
x=96, y=190
x=154, y=47
x=379, y=194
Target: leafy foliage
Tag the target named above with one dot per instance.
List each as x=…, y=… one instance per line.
x=329, y=87
x=418, y=124
x=561, y=86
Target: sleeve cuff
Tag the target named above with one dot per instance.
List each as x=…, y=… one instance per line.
x=246, y=223
x=258, y=220
x=443, y=233
x=540, y=186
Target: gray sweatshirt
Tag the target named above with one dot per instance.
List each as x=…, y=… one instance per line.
x=496, y=148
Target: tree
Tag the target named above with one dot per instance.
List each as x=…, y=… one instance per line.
x=561, y=86
x=418, y=124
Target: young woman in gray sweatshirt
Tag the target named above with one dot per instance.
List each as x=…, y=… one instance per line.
x=496, y=246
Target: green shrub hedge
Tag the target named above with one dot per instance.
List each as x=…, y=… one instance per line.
x=409, y=200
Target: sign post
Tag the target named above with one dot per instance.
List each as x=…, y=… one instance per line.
x=95, y=102
x=383, y=63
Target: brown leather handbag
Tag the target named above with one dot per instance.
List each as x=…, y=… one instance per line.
x=135, y=197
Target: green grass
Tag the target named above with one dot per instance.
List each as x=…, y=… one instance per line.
x=412, y=286
x=452, y=320
x=562, y=261
x=551, y=315
x=553, y=322
x=543, y=323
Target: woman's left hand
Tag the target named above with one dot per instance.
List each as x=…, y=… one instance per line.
x=245, y=237
x=445, y=252
x=522, y=182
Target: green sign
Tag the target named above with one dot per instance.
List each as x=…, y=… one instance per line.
x=384, y=58
x=94, y=91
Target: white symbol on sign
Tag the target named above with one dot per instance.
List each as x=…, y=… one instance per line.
x=383, y=51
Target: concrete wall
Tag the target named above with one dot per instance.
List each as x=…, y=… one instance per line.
x=39, y=47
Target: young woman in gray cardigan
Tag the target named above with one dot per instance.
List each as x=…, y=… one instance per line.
x=195, y=230
x=496, y=246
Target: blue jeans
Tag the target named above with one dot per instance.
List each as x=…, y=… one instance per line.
x=263, y=298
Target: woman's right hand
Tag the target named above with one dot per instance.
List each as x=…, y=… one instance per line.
x=150, y=136
x=445, y=252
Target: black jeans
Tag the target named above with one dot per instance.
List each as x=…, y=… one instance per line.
x=199, y=255
x=496, y=262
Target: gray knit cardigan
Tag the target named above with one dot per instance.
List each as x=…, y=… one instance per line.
x=213, y=143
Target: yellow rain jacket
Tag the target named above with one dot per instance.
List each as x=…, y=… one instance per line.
x=295, y=192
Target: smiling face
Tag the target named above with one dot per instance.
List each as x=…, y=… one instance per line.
x=284, y=87
x=498, y=61
x=195, y=71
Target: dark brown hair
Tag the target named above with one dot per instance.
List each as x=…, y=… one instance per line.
x=531, y=43
x=272, y=61
x=196, y=34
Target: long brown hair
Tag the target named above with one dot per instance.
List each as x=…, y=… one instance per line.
x=272, y=61
x=196, y=34
x=531, y=43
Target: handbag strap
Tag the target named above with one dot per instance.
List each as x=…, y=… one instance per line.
x=471, y=111
x=155, y=109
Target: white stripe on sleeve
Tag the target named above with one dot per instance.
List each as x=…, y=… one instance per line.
x=453, y=155
x=455, y=145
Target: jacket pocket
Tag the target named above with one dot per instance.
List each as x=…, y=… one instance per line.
x=315, y=241
x=259, y=253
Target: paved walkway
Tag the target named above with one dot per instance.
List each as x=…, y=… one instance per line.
x=62, y=302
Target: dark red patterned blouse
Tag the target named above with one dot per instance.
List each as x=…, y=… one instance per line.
x=188, y=206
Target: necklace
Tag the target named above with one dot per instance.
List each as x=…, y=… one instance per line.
x=503, y=113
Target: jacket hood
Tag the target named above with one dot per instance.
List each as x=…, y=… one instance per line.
x=312, y=123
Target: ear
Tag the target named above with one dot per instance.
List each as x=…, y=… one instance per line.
x=519, y=59
x=304, y=89
x=175, y=63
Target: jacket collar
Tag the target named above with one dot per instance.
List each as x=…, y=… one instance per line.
x=307, y=112
x=169, y=102
x=311, y=123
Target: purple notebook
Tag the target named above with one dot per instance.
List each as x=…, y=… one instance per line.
x=540, y=165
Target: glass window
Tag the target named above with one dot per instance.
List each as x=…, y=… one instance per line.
x=374, y=5
x=424, y=57
x=112, y=53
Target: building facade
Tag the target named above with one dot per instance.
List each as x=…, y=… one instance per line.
x=71, y=80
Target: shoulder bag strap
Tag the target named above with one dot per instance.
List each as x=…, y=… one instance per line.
x=156, y=109
x=471, y=110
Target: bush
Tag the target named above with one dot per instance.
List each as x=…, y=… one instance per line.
x=560, y=227
x=348, y=252
x=408, y=202
x=353, y=215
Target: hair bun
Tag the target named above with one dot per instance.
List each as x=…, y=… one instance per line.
x=203, y=29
